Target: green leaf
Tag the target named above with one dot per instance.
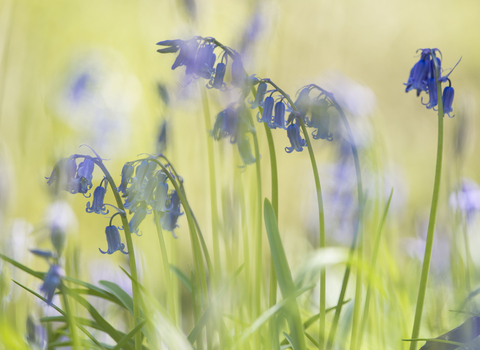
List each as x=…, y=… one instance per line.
x=284, y=277
x=123, y=296
x=182, y=277
x=290, y=340
x=268, y=314
x=87, y=333
x=106, y=327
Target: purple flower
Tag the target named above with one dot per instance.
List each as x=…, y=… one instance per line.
x=204, y=61
x=432, y=93
x=186, y=56
x=261, y=90
x=97, y=206
x=169, y=219
x=52, y=280
x=267, y=115
x=216, y=82
x=226, y=125
x=127, y=173
x=447, y=99
x=296, y=140
x=320, y=120
x=113, y=240
x=279, y=118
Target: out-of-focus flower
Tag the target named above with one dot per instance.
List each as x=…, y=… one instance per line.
x=162, y=138
x=36, y=335
x=169, y=219
x=226, y=125
x=261, y=90
x=216, y=81
x=296, y=140
x=245, y=151
x=52, y=280
x=96, y=99
x=113, y=240
x=321, y=120
x=466, y=199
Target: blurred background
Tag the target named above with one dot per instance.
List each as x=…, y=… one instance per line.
x=87, y=72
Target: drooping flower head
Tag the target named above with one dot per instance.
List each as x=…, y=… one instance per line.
x=426, y=75
x=226, y=125
x=169, y=219
x=52, y=280
x=267, y=115
x=261, y=90
x=97, y=206
x=113, y=240
x=447, y=99
x=296, y=140
x=279, y=118
x=320, y=120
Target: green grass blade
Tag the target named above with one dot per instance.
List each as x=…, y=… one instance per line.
x=196, y=331
x=87, y=333
x=182, y=277
x=37, y=274
x=115, y=289
x=130, y=335
x=268, y=314
x=284, y=277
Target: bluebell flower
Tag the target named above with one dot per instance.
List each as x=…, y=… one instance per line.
x=169, y=219
x=47, y=254
x=226, y=125
x=447, y=99
x=245, y=151
x=161, y=195
x=216, y=82
x=127, y=173
x=97, y=206
x=296, y=140
x=149, y=190
x=204, y=61
x=63, y=175
x=419, y=73
x=279, y=117
x=261, y=91
x=52, y=280
x=113, y=240
x=136, y=220
x=321, y=120
x=267, y=115
x=432, y=93
x=140, y=174
x=303, y=102
x=85, y=169
x=466, y=198
x=186, y=56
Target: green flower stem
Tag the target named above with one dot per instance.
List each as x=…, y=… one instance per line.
x=321, y=219
x=433, y=216
x=199, y=231
x=373, y=265
x=213, y=182
x=131, y=251
x=71, y=319
x=358, y=236
x=166, y=269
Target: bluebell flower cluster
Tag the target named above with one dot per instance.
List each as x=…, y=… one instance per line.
x=200, y=61
x=66, y=175
x=145, y=190
x=425, y=75
x=199, y=58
